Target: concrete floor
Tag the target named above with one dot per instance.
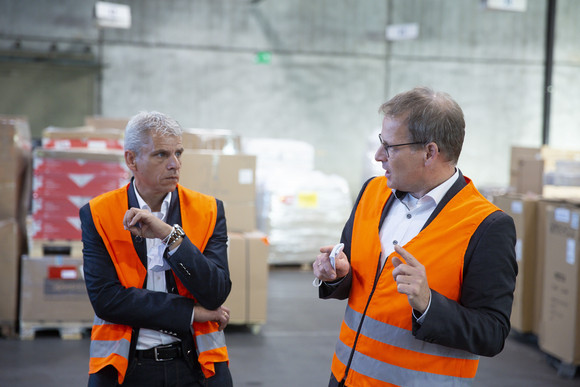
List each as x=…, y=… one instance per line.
x=293, y=349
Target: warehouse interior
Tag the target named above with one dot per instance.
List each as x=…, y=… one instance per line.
x=279, y=101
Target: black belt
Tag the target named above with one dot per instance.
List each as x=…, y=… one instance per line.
x=162, y=352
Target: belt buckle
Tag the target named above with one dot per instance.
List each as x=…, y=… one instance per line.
x=157, y=353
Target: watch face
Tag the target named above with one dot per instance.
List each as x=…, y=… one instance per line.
x=179, y=230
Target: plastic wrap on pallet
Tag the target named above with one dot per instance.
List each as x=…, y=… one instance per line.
x=274, y=154
x=306, y=210
x=566, y=173
x=275, y=157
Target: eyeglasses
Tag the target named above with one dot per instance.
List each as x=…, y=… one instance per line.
x=386, y=146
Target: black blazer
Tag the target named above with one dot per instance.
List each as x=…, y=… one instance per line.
x=480, y=322
x=205, y=275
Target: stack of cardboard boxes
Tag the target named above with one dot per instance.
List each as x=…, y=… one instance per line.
x=15, y=148
x=73, y=166
x=547, y=218
x=210, y=167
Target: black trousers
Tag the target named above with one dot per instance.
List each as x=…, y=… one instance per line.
x=172, y=373
x=333, y=382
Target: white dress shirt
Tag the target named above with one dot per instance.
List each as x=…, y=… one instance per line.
x=156, y=266
x=406, y=218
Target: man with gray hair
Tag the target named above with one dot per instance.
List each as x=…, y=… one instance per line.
x=156, y=270
x=428, y=264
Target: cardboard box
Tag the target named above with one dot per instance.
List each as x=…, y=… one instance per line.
x=66, y=205
x=50, y=227
x=523, y=210
x=65, y=180
x=560, y=321
x=99, y=122
x=240, y=217
x=230, y=178
x=53, y=291
x=248, y=263
x=526, y=170
x=257, y=258
x=82, y=137
x=216, y=139
x=237, y=300
x=15, y=168
x=9, y=275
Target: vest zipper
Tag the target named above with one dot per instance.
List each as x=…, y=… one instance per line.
x=379, y=271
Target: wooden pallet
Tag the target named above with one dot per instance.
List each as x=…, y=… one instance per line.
x=66, y=330
x=8, y=331
x=42, y=248
x=564, y=370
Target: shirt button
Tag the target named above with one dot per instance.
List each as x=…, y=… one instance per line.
x=409, y=216
x=395, y=242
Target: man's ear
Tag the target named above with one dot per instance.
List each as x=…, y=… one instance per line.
x=432, y=152
x=130, y=160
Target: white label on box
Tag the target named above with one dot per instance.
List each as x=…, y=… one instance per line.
x=562, y=215
x=517, y=207
x=518, y=250
x=68, y=274
x=246, y=176
x=97, y=145
x=575, y=220
x=62, y=144
x=571, y=251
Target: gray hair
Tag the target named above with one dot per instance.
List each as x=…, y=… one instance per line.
x=431, y=117
x=143, y=125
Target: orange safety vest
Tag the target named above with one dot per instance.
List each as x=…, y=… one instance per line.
x=386, y=353
x=110, y=343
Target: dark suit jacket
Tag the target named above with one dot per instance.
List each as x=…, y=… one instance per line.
x=480, y=322
x=205, y=275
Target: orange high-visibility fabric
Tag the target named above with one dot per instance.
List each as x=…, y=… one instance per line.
x=198, y=223
x=442, y=244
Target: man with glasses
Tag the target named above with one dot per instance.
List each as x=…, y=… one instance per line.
x=428, y=265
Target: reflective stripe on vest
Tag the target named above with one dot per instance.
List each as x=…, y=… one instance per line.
x=385, y=350
x=110, y=339
x=211, y=340
x=105, y=348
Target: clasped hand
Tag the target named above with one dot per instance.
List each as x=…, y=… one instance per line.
x=220, y=315
x=144, y=224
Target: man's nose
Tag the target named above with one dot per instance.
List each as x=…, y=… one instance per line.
x=174, y=162
x=381, y=154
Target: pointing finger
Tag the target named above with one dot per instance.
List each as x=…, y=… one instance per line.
x=409, y=259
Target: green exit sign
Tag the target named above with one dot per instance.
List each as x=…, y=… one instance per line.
x=263, y=57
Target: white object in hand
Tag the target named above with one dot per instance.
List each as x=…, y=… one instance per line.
x=335, y=251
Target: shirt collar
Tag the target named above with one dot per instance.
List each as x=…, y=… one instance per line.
x=436, y=193
x=144, y=206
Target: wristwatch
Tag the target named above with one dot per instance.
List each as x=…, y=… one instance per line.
x=176, y=233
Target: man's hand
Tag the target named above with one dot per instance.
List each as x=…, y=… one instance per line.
x=411, y=279
x=144, y=224
x=220, y=315
x=323, y=269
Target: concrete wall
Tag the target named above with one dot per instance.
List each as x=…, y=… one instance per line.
x=330, y=69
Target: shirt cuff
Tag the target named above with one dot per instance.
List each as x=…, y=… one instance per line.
x=170, y=252
x=421, y=318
